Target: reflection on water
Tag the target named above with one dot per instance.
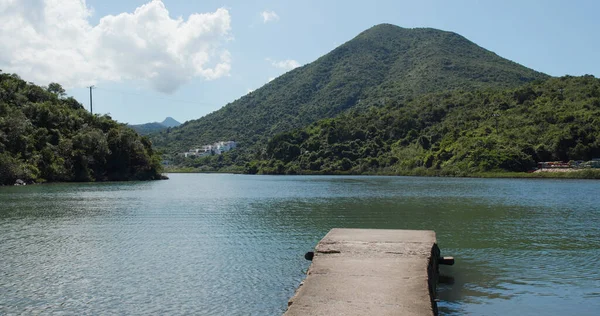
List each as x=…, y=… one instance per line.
x=232, y=244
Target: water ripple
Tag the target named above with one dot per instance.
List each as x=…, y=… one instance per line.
x=231, y=245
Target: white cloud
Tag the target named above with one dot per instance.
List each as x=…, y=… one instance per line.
x=286, y=65
x=52, y=40
x=270, y=79
x=269, y=16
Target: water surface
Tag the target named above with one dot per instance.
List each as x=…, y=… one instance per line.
x=233, y=244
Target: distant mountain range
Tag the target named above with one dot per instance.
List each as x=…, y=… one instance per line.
x=382, y=64
x=148, y=128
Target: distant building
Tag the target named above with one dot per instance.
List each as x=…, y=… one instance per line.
x=222, y=147
x=214, y=149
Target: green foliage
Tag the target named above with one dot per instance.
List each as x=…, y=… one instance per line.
x=381, y=65
x=449, y=133
x=57, y=89
x=47, y=137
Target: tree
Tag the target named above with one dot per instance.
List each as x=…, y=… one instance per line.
x=57, y=89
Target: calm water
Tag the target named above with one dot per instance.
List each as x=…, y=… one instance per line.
x=234, y=245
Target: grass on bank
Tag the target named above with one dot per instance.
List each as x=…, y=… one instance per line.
x=230, y=169
x=422, y=172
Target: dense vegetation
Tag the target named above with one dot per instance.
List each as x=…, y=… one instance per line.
x=383, y=64
x=449, y=133
x=229, y=161
x=46, y=136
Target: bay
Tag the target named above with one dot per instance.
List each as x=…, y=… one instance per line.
x=215, y=244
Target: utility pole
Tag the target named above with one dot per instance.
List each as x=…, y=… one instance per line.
x=91, y=108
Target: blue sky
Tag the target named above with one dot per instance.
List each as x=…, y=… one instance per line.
x=247, y=43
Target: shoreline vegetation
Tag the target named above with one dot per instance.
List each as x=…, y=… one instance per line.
x=163, y=176
x=539, y=174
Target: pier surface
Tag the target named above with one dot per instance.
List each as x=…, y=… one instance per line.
x=370, y=272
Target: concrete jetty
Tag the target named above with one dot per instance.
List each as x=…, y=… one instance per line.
x=370, y=272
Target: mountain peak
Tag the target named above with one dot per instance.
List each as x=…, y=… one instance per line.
x=170, y=122
x=384, y=26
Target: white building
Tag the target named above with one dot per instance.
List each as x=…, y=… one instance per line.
x=225, y=146
x=216, y=148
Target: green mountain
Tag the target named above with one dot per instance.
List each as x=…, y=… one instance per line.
x=381, y=64
x=45, y=136
x=148, y=128
x=450, y=133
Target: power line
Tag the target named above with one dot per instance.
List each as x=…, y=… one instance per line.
x=153, y=97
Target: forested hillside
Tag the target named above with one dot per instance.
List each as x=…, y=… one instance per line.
x=46, y=136
x=449, y=133
x=148, y=128
x=154, y=127
x=383, y=64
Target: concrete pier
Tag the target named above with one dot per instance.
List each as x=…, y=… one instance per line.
x=370, y=272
